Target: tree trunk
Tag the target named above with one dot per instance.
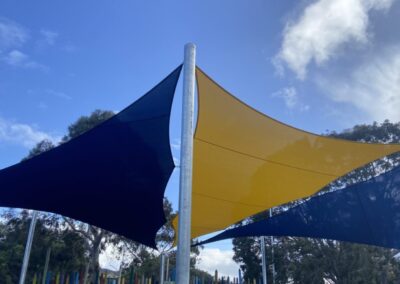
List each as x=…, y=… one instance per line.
x=94, y=255
x=86, y=275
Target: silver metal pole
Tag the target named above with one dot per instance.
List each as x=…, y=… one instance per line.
x=121, y=265
x=272, y=252
x=263, y=260
x=28, y=248
x=185, y=188
x=167, y=269
x=120, y=274
x=46, y=265
x=162, y=273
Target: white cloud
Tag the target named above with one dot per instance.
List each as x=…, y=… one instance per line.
x=176, y=147
x=70, y=48
x=49, y=37
x=176, y=144
x=214, y=258
x=176, y=161
x=322, y=29
x=290, y=97
x=373, y=87
x=11, y=34
x=23, y=134
x=17, y=58
x=58, y=94
x=109, y=258
x=12, y=38
x=42, y=105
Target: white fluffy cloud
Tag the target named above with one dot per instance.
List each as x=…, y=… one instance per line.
x=13, y=38
x=11, y=34
x=110, y=258
x=49, y=37
x=58, y=94
x=17, y=58
x=323, y=27
x=176, y=144
x=22, y=134
x=373, y=87
x=291, y=99
x=212, y=259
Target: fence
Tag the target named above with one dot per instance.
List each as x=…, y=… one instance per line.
x=133, y=278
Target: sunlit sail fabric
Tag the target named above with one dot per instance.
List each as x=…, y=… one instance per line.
x=112, y=176
x=246, y=162
x=367, y=213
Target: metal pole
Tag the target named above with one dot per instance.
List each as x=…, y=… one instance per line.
x=263, y=260
x=46, y=266
x=162, y=268
x=272, y=252
x=185, y=186
x=28, y=248
x=120, y=274
x=167, y=270
x=121, y=265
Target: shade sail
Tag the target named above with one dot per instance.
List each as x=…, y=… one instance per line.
x=246, y=162
x=367, y=213
x=112, y=176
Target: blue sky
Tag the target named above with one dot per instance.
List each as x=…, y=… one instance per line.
x=315, y=64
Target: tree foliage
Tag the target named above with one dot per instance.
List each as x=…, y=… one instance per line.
x=67, y=247
x=85, y=123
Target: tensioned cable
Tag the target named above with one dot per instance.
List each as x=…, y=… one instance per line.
x=229, y=201
x=265, y=160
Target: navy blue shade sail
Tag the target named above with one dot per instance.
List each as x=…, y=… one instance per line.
x=366, y=213
x=112, y=176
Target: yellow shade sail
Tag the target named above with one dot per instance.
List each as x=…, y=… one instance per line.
x=246, y=162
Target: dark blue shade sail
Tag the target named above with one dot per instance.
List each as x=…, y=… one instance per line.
x=112, y=176
x=367, y=213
